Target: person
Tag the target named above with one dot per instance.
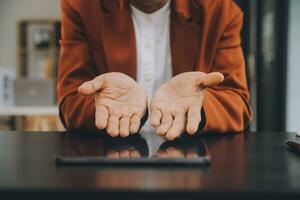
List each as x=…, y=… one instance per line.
x=181, y=61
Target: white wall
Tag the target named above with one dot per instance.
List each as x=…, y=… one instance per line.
x=293, y=87
x=11, y=12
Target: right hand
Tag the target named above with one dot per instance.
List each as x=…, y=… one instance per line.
x=120, y=103
x=126, y=153
x=172, y=152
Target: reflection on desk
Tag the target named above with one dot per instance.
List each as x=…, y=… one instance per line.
x=248, y=166
x=132, y=151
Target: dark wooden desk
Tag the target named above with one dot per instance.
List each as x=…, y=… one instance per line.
x=248, y=166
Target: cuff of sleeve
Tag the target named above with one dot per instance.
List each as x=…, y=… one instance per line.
x=210, y=113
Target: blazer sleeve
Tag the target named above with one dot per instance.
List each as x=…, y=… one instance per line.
x=76, y=66
x=226, y=106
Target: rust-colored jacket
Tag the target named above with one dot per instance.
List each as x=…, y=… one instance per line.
x=98, y=37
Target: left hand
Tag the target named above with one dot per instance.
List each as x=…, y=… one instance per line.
x=172, y=152
x=176, y=106
x=126, y=153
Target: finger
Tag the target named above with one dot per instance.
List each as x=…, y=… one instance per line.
x=166, y=124
x=178, y=126
x=135, y=123
x=155, y=118
x=192, y=155
x=161, y=154
x=113, y=126
x=124, y=126
x=174, y=153
x=134, y=154
x=124, y=154
x=211, y=79
x=113, y=154
x=91, y=87
x=101, y=117
x=193, y=119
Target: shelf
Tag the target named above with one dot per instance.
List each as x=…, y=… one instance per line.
x=29, y=111
x=39, y=50
x=31, y=56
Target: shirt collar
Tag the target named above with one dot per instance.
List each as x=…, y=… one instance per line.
x=182, y=9
x=155, y=16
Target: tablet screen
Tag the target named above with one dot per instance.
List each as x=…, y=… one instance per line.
x=132, y=151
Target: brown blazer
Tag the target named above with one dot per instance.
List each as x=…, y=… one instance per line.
x=98, y=37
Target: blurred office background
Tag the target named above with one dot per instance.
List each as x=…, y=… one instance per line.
x=29, y=53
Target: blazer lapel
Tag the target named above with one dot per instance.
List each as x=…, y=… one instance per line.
x=119, y=42
x=118, y=37
x=185, y=36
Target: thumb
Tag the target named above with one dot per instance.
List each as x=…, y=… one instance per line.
x=211, y=79
x=91, y=87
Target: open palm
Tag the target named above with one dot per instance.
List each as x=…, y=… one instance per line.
x=120, y=103
x=176, y=106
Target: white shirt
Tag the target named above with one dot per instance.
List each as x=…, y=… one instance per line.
x=152, y=33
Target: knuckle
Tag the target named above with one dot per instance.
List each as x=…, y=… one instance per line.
x=154, y=116
x=180, y=111
x=153, y=107
x=126, y=115
x=134, y=123
x=124, y=120
x=166, y=119
x=114, y=111
x=154, y=123
x=111, y=121
x=134, y=126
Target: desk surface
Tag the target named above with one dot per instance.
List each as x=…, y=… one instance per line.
x=250, y=165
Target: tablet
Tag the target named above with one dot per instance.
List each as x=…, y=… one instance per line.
x=80, y=150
